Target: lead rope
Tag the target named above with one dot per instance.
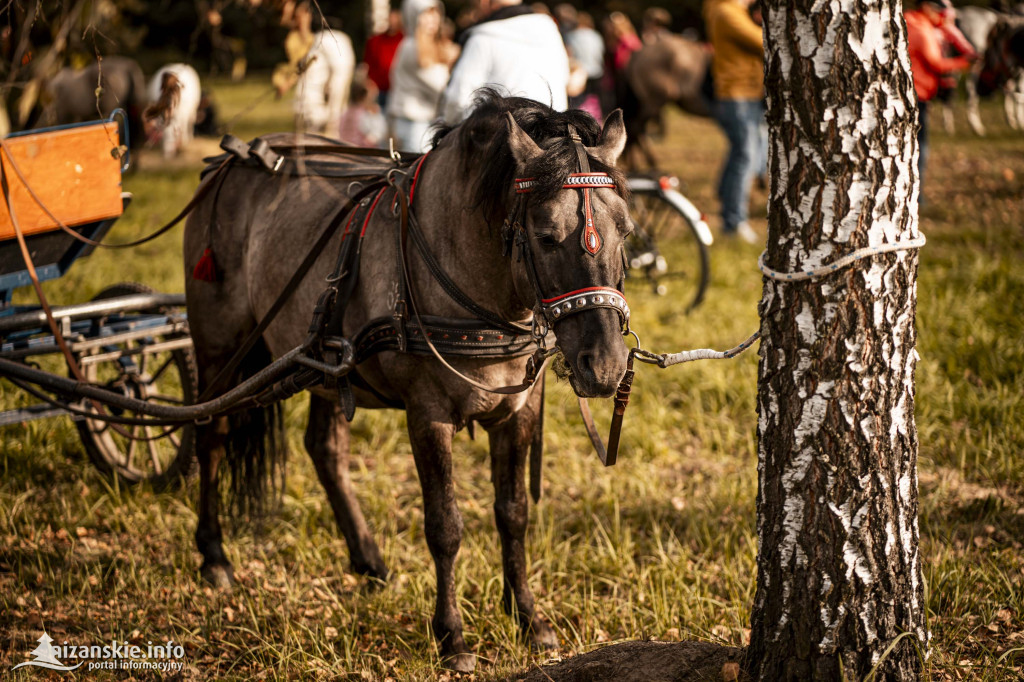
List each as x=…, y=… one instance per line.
x=664, y=360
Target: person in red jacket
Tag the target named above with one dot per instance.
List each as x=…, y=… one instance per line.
x=380, y=52
x=926, y=36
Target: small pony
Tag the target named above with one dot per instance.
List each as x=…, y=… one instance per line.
x=506, y=212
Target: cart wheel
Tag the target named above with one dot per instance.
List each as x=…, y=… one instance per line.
x=139, y=369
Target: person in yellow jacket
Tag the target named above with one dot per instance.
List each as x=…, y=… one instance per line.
x=737, y=70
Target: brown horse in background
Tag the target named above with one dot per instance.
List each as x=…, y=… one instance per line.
x=260, y=226
x=670, y=70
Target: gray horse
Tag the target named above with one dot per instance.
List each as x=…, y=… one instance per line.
x=260, y=226
x=95, y=91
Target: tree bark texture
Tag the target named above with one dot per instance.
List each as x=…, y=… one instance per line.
x=839, y=576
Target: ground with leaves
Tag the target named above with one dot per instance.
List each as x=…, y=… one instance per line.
x=661, y=546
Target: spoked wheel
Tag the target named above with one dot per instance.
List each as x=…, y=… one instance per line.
x=668, y=246
x=159, y=368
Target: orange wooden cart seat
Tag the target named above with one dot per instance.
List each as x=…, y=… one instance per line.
x=75, y=172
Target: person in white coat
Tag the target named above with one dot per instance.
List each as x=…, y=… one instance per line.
x=419, y=73
x=514, y=50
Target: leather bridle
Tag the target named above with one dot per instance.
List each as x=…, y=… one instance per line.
x=553, y=309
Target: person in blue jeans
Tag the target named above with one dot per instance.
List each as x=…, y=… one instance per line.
x=741, y=120
x=737, y=69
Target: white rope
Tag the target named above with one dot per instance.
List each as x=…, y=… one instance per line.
x=669, y=359
x=828, y=268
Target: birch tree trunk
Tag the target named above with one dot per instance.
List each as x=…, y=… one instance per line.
x=839, y=576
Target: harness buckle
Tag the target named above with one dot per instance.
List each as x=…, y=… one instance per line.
x=399, y=316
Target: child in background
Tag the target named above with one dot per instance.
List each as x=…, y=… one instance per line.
x=363, y=124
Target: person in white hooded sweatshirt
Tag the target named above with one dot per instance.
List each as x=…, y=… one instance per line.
x=513, y=49
x=419, y=73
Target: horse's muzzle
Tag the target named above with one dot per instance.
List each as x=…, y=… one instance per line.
x=597, y=365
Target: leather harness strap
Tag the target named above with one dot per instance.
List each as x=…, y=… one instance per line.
x=286, y=292
x=534, y=366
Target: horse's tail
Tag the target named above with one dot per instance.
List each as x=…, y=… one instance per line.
x=256, y=450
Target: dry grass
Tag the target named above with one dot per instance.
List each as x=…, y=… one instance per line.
x=662, y=545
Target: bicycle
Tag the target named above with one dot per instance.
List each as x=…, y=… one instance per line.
x=658, y=208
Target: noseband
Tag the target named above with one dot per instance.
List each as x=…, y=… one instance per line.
x=556, y=308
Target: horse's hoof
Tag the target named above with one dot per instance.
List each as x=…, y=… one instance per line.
x=461, y=663
x=220, y=576
x=542, y=637
x=378, y=572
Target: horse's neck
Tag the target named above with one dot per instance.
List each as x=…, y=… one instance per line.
x=466, y=247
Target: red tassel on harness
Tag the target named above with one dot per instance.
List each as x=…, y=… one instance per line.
x=206, y=268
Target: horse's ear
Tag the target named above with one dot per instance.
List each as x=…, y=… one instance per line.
x=613, y=140
x=524, y=149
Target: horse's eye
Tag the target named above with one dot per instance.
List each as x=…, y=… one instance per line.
x=548, y=241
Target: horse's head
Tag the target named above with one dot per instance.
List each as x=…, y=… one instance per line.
x=566, y=232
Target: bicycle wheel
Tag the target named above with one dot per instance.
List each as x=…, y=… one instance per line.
x=669, y=245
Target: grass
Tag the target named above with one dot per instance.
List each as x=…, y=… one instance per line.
x=662, y=545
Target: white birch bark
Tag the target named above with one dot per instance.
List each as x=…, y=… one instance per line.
x=838, y=562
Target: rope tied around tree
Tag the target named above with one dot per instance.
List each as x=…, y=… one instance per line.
x=664, y=360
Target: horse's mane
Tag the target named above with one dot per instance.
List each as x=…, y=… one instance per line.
x=483, y=138
x=170, y=95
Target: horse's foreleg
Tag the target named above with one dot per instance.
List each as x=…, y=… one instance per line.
x=1009, y=106
x=432, y=448
x=973, y=115
x=643, y=142
x=510, y=445
x=1018, y=103
x=948, y=122
x=327, y=441
x=216, y=568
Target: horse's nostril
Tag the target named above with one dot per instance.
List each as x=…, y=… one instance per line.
x=585, y=363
